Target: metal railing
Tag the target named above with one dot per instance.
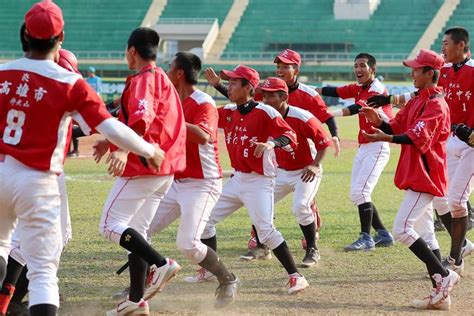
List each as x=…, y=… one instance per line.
x=187, y=20
x=311, y=56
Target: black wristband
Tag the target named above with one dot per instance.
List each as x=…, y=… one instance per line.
x=281, y=141
x=354, y=109
x=386, y=128
x=402, y=139
x=332, y=126
x=222, y=89
x=330, y=92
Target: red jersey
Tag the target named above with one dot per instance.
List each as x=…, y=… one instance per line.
x=361, y=93
x=37, y=99
x=151, y=107
x=242, y=131
x=202, y=160
x=422, y=165
x=311, y=137
x=307, y=98
x=459, y=89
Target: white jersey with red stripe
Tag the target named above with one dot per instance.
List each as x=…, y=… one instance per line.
x=37, y=100
x=202, y=160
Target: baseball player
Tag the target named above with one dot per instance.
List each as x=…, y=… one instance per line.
x=252, y=131
x=196, y=190
x=422, y=128
x=37, y=97
x=16, y=261
x=288, y=65
x=151, y=107
x=371, y=157
x=299, y=171
x=457, y=80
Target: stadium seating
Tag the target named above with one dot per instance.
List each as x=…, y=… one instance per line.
x=393, y=28
x=462, y=16
x=91, y=25
x=197, y=9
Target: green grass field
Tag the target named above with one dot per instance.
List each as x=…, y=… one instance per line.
x=380, y=282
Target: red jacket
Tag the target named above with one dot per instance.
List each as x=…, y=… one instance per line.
x=422, y=165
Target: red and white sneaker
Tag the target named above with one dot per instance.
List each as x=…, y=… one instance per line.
x=130, y=308
x=427, y=302
x=297, y=283
x=444, y=286
x=202, y=275
x=160, y=277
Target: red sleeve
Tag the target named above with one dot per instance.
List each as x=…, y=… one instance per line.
x=222, y=122
x=206, y=118
x=346, y=92
x=425, y=129
x=87, y=102
x=278, y=127
x=315, y=132
x=140, y=102
x=319, y=109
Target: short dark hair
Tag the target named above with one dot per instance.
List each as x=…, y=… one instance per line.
x=190, y=64
x=41, y=45
x=370, y=59
x=145, y=40
x=24, y=44
x=459, y=34
x=435, y=73
x=245, y=82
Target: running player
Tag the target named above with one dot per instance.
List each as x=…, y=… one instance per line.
x=371, y=158
x=288, y=66
x=196, y=190
x=151, y=107
x=252, y=131
x=299, y=171
x=36, y=96
x=457, y=79
x=422, y=128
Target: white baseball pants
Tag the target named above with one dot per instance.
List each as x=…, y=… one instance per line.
x=66, y=228
x=193, y=200
x=255, y=192
x=424, y=226
x=460, y=158
x=367, y=167
x=32, y=196
x=304, y=192
x=132, y=203
x=414, y=209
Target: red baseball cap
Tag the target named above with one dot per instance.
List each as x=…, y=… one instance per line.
x=68, y=60
x=244, y=72
x=289, y=56
x=273, y=84
x=425, y=58
x=44, y=20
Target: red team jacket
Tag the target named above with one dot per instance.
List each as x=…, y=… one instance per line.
x=361, y=94
x=151, y=107
x=202, y=161
x=311, y=136
x=422, y=165
x=306, y=98
x=37, y=99
x=241, y=132
x=459, y=89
